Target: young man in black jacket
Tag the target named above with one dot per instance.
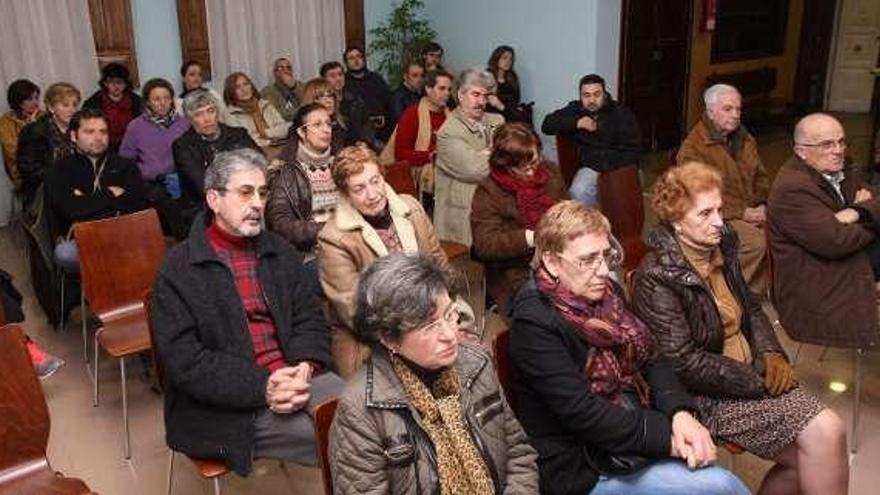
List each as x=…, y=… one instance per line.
x=241, y=337
x=607, y=135
x=91, y=184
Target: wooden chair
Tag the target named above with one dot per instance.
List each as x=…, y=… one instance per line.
x=207, y=468
x=399, y=176
x=24, y=426
x=324, y=413
x=119, y=259
x=503, y=368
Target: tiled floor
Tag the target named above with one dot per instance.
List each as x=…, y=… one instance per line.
x=86, y=441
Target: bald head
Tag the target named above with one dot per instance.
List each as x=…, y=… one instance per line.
x=819, y=141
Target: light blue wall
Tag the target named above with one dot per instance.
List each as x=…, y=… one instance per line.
x=556, y=42
x=157, y=40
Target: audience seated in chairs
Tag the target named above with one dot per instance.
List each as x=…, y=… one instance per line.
x=720, y=140
x=463, y=146
x=246, y=109
x=691, y=292
x=91, y=184
x=409, y=92
x=606, y=133
x=604, y=414
x=302, y=195
x=426, y=413
x=350, y=110
x=243, y=344
x=23, y=98
x=371, y=221
x=822, y=217
x=195, y=149
x=46, y=140
x=191, y=74
x=285, y=92
x=521, y=187
x=116, y=100
x=371, y=88
x=148, y=142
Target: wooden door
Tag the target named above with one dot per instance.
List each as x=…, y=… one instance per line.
x=817, y=31
x=113, y=32
x=354, y=23
x=654, y=67
x=856, y=52
x=193, y=20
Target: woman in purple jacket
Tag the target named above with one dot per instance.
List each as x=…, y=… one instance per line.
x=148, y=141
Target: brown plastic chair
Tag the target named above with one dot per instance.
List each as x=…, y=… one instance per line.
x=119, y=259
x=207, y=468
x=24, y=426
x=503, y=368
x=324, y=413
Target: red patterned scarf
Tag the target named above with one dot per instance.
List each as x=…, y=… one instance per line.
x=620, y=345
x=531, y=199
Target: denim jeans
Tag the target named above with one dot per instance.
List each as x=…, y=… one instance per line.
x=584, y=187
x=67, y=256
x=672, y=477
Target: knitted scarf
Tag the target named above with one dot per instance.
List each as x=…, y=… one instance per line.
x=163, y=121
x=460, y=466
x=252, y=107
x=620, y=345
x=531, y=198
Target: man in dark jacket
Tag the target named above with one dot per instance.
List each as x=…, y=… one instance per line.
x=351, y=109
x=116, y=100
x=607, y=135
x=409, y=92
x=371, y=88
x=238, y=332
x=195, y=149
x=90, y=184
x=822, y=218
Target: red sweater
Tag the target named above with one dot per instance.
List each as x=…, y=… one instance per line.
x=408, y=130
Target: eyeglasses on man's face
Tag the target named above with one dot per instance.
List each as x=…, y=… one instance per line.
x=827, y=145
x=247, y=193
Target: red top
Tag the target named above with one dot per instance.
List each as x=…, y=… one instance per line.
x=118, y=114
x=408, y=130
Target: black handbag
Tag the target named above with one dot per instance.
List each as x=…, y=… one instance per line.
x=608, y=464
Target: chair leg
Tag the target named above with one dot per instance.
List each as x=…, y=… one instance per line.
x=61, y=302
x=857, y=401
x=95, y=366
x=125, y=408
x=84, y=324
x=170, y=470
x=216, y=485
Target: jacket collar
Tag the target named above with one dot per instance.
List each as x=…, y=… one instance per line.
x=796, y=163
x=671, y=261
x=484, y=125
x=383, y=387
x=200, y=250
x=348, y=219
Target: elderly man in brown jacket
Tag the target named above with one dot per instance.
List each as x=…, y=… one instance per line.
x=720, y=140
x=821, y=218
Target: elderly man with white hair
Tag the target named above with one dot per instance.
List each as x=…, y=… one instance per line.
x=463, y=146
x=720, y=140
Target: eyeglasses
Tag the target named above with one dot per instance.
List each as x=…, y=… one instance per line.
x=451, y=318
x=611, y=257
x=328, y=94
x=827, y=145
x=246, y=193
x=317, y=125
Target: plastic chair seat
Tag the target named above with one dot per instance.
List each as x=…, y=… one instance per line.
x=454, y=250
x=44, y=481
x=208, y=468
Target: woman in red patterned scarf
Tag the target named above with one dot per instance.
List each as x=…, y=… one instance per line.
x=521, y=186
x=604, y=413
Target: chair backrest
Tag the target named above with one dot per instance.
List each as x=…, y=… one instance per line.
x=622, y=201
x=119, y=258
x=324, y=413
x=567, y=156
x=24, y=417
x=503, y=368
x=399, y=176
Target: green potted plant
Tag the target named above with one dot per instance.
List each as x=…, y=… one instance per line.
x=400, y=38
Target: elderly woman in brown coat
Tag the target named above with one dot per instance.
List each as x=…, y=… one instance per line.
x=425, y=415
x=692, y=294
x=371, y=221
x=507, y=206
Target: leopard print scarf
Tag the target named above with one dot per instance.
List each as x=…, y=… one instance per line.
x=459, y=465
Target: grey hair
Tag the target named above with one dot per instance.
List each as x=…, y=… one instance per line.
x=397, y=294
x=476, y=76
x=228, y=163
x=710, y=96
x=197, y=100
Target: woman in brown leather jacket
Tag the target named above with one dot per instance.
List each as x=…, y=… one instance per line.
x=425, y=414
x=303, y=195
x=692, y=294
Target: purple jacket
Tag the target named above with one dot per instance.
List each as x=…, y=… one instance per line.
x=149, y=145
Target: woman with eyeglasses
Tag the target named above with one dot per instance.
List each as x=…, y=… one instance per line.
x=303, y=195
x=425, y=414
x=521, y=186
x=606, y=415
x=371, y=221
x=691, y=292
